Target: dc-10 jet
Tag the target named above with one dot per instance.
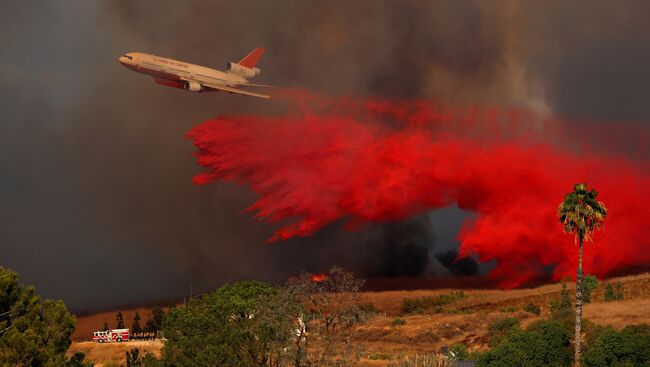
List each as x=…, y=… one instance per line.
x=195, y=78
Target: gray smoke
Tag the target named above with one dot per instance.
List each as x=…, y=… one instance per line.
x=96, y=202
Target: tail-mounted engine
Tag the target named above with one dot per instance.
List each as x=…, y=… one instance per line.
x=235, y=68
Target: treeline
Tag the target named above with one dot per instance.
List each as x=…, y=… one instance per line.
x=152, y=326
x=308, y=322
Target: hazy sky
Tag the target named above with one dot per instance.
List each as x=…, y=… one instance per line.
x=96, y=201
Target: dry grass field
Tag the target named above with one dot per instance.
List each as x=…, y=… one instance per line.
x=463, y=321
x=113, y=354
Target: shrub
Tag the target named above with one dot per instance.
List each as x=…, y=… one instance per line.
x=613, y=292
x=564, y=302
x=533, y=308
x=544, y=343
x=590, y=283
x=565, y=317
x=368, y=307
x=499, y=330
x=628, y=347
x=133, y=358
x=459, y=352
x=379, y=357
x=77, y=360
x=414, y=305
x=366, y=311
x=420, y=304
x=398, y=322
x=562, y=309
x=509, y=309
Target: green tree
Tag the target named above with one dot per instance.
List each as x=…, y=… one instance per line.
x=136, y=328
x=77, y=360
x=33, y=332
x=591, y=282
x=155, y=323
x=609, y=293
x=613, y=293
x=628, y=347
x=133, y=358
x=581, y=214
x=119, y=321
x=235, y=326
x=544, y=343
x=158, y=317
x=500, y=329
x=533, y=308
x=106, y=327
x=564, y=302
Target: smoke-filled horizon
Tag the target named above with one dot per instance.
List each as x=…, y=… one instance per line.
x=96, y=201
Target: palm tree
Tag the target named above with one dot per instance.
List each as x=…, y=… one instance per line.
x=581, y=214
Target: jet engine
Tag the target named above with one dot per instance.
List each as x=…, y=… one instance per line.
x=235, y=68
x=193, y=87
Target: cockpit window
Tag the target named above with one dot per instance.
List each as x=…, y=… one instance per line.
x=128, y=57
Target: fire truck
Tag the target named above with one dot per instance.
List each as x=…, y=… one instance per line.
x=114, y=335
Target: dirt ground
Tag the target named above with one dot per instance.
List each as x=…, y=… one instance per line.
x=464, y=321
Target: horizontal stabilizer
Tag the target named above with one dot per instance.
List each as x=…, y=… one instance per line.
x=258, y=85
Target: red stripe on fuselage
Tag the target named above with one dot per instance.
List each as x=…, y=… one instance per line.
x=170, y=83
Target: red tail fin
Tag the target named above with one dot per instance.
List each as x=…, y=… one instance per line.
x=252, y=58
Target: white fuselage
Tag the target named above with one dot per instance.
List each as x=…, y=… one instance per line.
x=176, y=73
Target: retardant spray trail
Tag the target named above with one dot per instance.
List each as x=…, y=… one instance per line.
x=376, y=161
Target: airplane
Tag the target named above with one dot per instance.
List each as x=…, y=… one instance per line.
x=195, y=78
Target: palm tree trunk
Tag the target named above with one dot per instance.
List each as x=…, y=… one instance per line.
x=579, y=286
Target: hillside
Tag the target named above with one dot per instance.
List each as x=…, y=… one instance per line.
x=463, y=321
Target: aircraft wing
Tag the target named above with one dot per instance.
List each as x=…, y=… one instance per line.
x=223, y=88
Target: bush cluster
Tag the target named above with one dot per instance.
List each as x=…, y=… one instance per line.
x=628, y=347
x=548, y=343
x=544, y=343
x=500, y=329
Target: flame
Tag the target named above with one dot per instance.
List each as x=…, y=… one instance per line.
x=318, y=278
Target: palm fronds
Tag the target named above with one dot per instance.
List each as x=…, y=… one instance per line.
x=581, y=213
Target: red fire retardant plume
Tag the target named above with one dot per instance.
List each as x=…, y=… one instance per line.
x=377, y=161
